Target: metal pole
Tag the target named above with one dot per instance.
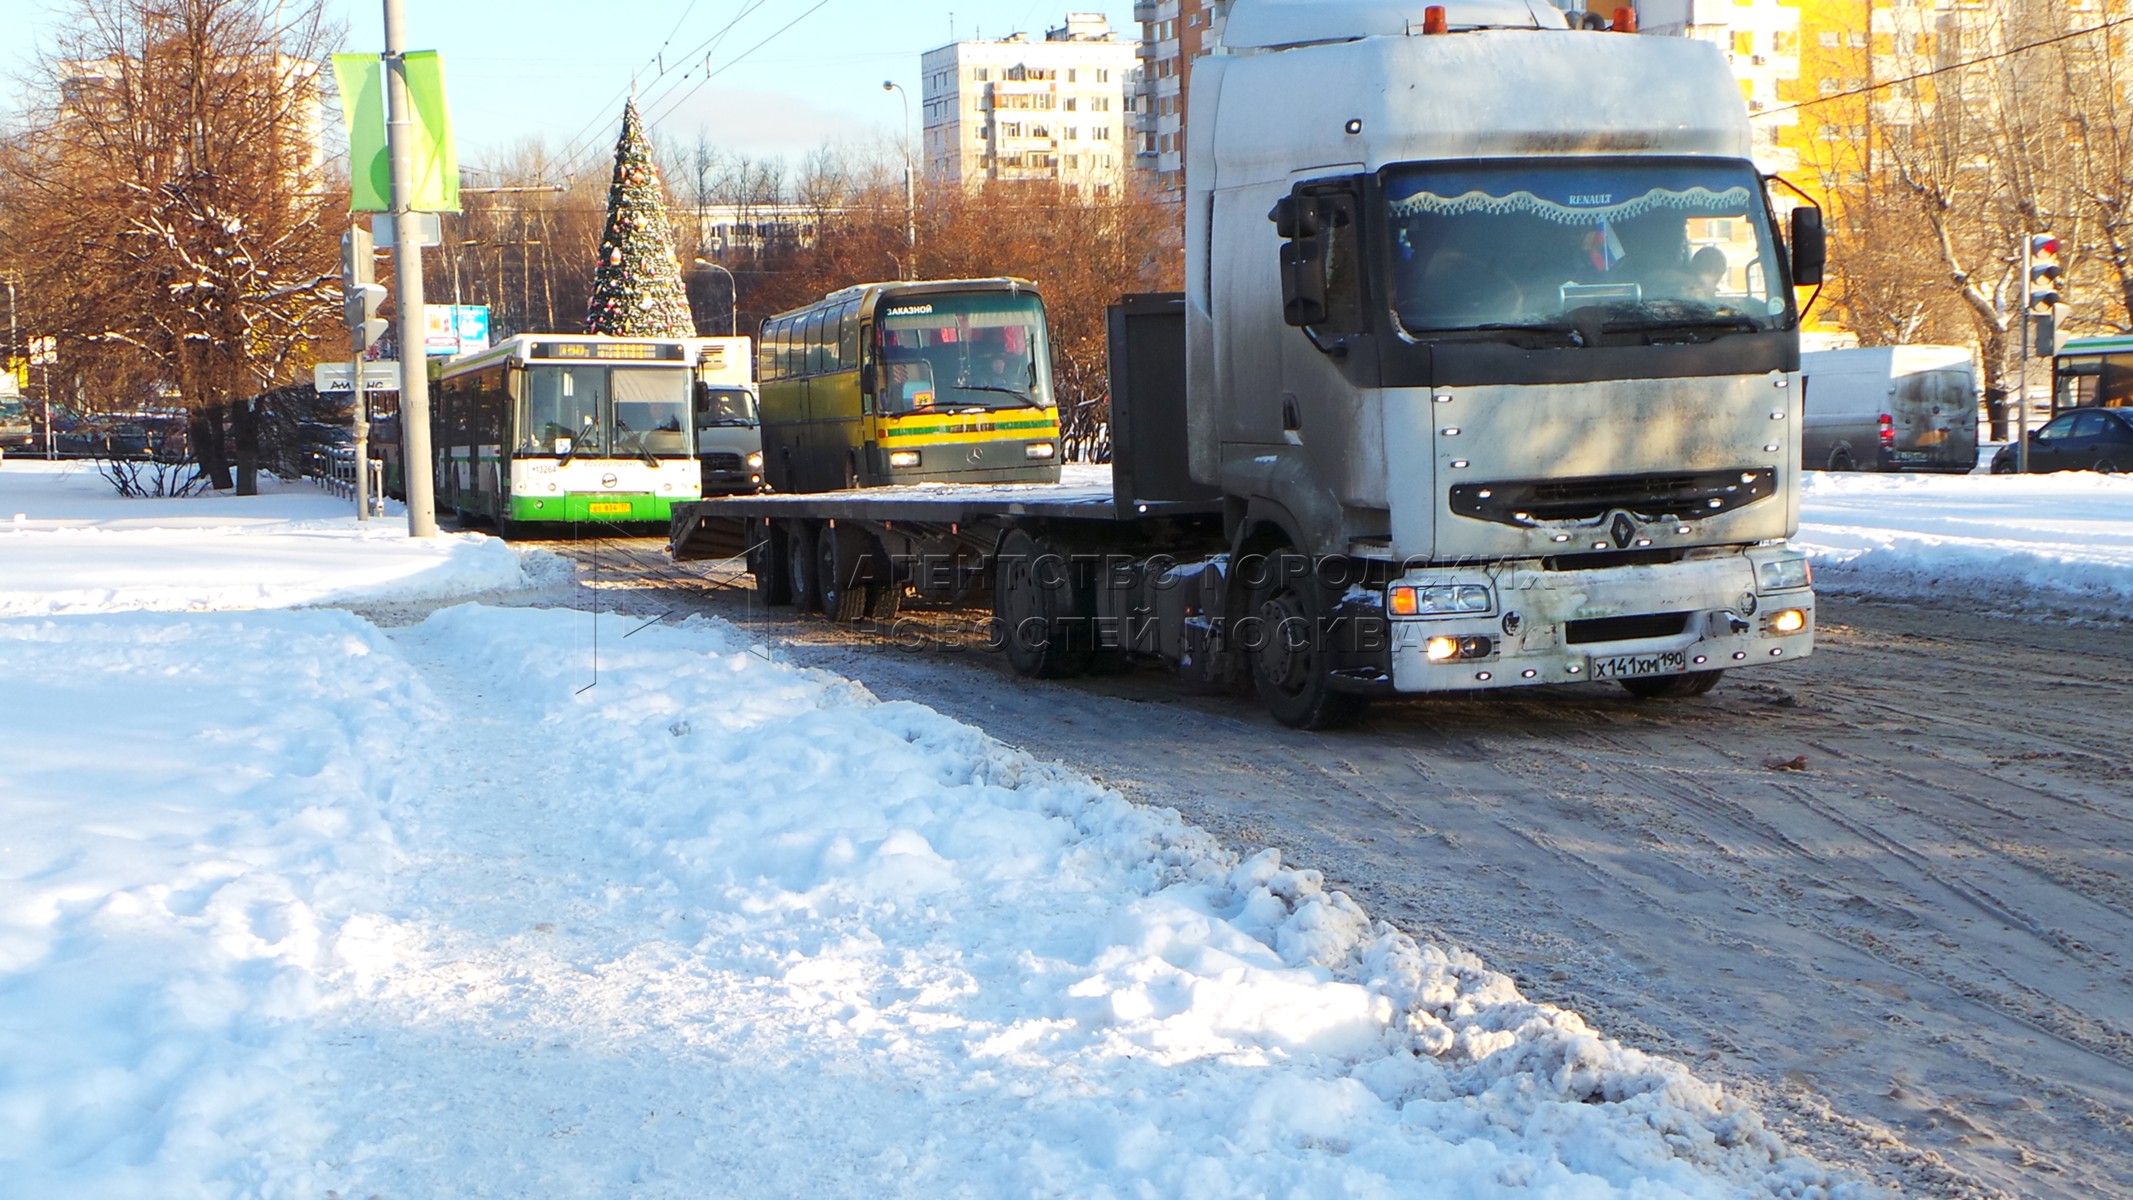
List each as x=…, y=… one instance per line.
x=2022, y=369
x=910, y=187
x=733, y=293
x=416, y=469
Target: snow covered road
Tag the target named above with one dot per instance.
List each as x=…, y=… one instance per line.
x=295, y=905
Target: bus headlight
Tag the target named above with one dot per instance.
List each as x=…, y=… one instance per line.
x=903, y=458
x=1039, y=450
x=755, y=461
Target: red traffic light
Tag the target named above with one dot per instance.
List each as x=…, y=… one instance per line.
x=2043, y=243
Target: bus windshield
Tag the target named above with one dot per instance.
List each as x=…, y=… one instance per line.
x=977, y=350
x=1624, y=244
x=601, y=411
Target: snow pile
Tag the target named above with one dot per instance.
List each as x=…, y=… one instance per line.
x=529, y=902
x=2015, y=541
x=69, y=543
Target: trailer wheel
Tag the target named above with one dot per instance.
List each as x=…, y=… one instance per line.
x=1672, y=687
x=1291, y=668
x=766, y=561
x=1041, y=607
x=800, y=565
x=844, y=569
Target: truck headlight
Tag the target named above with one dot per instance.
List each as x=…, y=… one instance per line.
x=755, y=461
x=1437, y=599
x=1039, y=450
x=1785, y=573
x=903, y=458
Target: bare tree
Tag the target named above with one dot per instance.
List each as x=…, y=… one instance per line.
x=168, y=205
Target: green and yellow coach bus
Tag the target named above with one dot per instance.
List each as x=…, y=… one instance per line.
x=545, y=431
x=931, y=381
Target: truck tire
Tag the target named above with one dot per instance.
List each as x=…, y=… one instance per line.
x=1041, y=606
x=843, y=570
x=800, y=565
x=1840, y=459
x=1672, y=687
x=766, y=561
x=1288, y=656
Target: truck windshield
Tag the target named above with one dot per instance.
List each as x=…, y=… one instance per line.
x=724, y=406
x=1616, y=245
x=953, y=352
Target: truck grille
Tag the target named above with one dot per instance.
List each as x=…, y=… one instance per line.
x=722, y=462
x=1676, y=495
x=1624, y=629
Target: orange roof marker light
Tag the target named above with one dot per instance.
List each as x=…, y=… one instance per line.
x=1434, y=20
x=1625, y=20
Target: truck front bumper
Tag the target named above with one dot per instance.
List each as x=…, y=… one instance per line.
x=1572, y=626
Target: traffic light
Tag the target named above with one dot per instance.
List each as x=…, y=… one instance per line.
x=2044, y=293
x=2044, y=273
x=360, y=290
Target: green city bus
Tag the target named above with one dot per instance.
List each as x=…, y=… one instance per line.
x=2093, y=372
x=546, y=431
x=888, y=383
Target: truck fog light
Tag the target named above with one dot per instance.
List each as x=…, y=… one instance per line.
x=1791, y=620
x=1443, y=649
x=1039, y=450
x=903, y=458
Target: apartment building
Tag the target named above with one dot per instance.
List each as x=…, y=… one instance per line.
x=1019, y=109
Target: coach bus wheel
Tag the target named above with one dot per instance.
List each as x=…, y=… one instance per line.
x=766, y=561
x=1038, y=603
x=844, y=569
x=1672, y=687
x=1286, y=647
x=800, y=565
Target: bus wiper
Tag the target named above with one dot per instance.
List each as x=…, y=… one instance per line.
x=1024, y=397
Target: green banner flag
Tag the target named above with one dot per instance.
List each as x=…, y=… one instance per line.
x=436, y=160
x=362, y=81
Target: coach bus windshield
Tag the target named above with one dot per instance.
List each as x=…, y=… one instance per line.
x=963, y=352
x=1624, y=244
x=601, y=411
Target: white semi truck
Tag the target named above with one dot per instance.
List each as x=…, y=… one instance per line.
x=1485, y=375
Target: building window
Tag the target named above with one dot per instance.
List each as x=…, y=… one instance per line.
x=1101, y=133
x=1103, y=76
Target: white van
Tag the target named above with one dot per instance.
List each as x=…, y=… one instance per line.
x=729, y=433
x=1889, y=408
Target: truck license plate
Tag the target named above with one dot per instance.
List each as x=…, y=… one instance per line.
x=1630, y=666
x=602, y=508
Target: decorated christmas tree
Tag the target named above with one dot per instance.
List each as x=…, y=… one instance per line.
x=637, y=288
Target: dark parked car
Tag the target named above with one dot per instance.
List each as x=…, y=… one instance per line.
x=2079, y=439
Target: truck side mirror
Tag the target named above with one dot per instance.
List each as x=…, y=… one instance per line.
x=1810, y=247
x=1303, y=281
x=1297, y=218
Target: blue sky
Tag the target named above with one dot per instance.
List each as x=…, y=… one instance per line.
x=558, y=70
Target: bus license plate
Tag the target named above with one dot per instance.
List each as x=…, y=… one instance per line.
x=1630, y=666
x=604, y=508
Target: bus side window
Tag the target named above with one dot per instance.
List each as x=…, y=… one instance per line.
x=814, y=340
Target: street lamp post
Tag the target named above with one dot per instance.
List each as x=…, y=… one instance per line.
x=910, y=188
x=733, y=296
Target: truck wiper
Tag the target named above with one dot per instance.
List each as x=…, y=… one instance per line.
x=1712, y=325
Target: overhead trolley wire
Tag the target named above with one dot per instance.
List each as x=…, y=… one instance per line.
x=1964, y=65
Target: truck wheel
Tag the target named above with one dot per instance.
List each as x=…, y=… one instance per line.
x=766, y=561
x=2105, y=466
x=1841, y=460
x=844, y=568
x=1672, y=687
x=1041, y=608
x=800, y=565
x=1288, y=655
